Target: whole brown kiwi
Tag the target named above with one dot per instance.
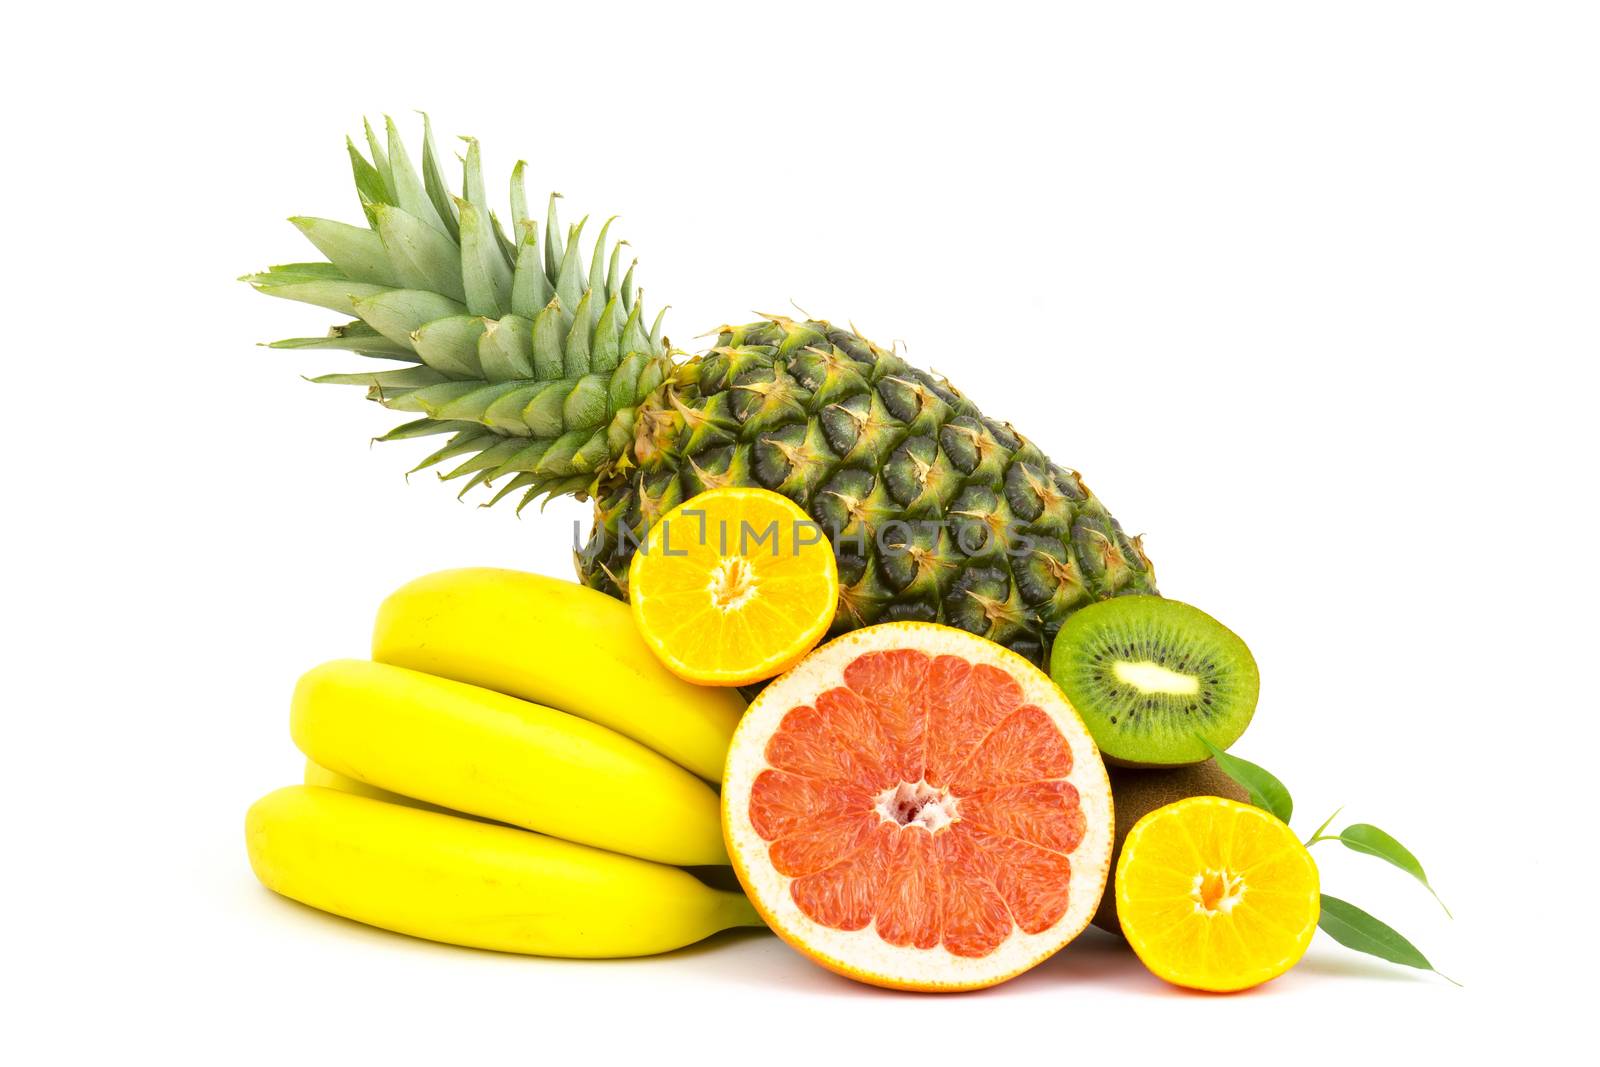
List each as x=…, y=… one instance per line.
x=1135, y=793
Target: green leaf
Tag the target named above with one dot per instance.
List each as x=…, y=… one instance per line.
x=521, y=221
x=433, y=181
x=1266, y=792
x=380, y=163
x=657, y=344
x=634, y=339
x=575, y=358
x=521, y=481
x=369, y=183
x=431, y=399
x=422, y=256
x=627, y=286
x=505, y=414
x=335, y=295
x=405, y=378
x=450, y=345
x=530, y=289
x=553, y=252
x=397, y=313
x=505, y=351
x=597, y=273
x=585, y=406
x=485, y=275
x=614, y=272
x=407, y=184
x=607, y=344
x=284, y=273
x=569, y=279
x=426, y=428
x=368, y=343
x=1364, y=837
x=542, y=414
x=468, y=440
x=490, y=458
x=547, y=329
x=1355, y=929
x=472, y=187
x=508, y=251
x=475, y=403
x=356, y=251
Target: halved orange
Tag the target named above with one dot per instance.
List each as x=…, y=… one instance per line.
x=1216, y=895
x=733, y=586
x=916, y=807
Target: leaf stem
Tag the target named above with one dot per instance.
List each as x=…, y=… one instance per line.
x=1316, y=835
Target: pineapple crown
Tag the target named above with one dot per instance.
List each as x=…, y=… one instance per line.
x=533, y=357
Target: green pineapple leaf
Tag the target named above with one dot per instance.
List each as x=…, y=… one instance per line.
x=426, y=428
x=386, y=381
x=398, y=313
x=569, y=279
x=407, y=184
x=485, y=274
x=433, y=181
x=422, y=256
x=521, y=222
x=369, y=183
x=450, y=345
x=357, y=252
x=380, y=163
x=553, y=252
x=505, y=350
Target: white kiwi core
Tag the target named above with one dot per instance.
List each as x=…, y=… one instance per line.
x=1148, y=677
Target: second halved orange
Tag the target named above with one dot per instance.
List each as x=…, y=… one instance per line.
x=733, y=586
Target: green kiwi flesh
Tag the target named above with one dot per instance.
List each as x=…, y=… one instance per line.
x=1152, y=676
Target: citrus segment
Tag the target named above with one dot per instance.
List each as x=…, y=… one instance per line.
x=976, y=919
x=733, y=586
x=1216, y=895
x=965, y=701
x=1025, y=747
x=1033, y=881
x=1041, y=813
x=916, y=807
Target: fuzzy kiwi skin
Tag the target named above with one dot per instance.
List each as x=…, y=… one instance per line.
x=1136, y=793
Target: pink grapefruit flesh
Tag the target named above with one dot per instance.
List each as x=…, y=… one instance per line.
x=916, y=807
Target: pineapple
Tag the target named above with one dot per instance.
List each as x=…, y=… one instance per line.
x=541, y=371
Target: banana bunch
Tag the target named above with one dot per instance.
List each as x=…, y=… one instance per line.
x=512, y=770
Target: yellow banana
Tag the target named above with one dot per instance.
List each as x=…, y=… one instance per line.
x=560, y=644
x=488, y=754
x=317, y=774
x=466, y=882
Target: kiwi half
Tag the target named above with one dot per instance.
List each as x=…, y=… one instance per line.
x=1136, y=793
x=1151, y=677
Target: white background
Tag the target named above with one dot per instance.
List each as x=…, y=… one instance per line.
x=1308, y=292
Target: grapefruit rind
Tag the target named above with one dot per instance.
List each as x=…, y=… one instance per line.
x=862, y=954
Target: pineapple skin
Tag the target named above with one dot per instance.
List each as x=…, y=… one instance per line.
x=540, y=369
x=936, y=512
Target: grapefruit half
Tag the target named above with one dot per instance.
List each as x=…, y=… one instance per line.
x=915, y=807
